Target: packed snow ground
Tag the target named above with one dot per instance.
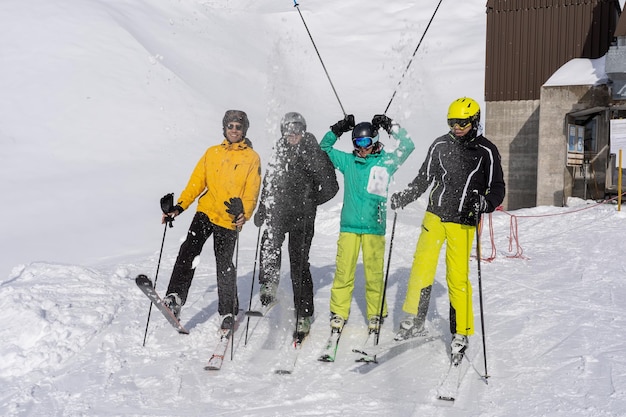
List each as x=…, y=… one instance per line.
x=72, y=341
x=107, y=106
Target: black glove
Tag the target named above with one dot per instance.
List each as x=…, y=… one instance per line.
x=167, y=203
x=399, y=200
x=380, y=120
x=259, y=216
x=167, y=206
x=235, y=207
x=344, y=125
x=480, y=203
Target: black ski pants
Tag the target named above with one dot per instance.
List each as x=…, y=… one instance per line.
x=300, y=237
x=224, y=241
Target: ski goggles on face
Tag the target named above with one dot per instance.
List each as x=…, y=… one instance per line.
x=461, y=123
x=235, y=126
x=364, y=142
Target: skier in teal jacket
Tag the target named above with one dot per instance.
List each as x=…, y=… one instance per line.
x=367, y=172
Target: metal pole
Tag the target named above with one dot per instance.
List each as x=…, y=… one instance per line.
x=411, y=60
x=168, y=221
x=256, y=257
x=297, y=6
x=382, y=304
x=480, y=292
x=235, y=313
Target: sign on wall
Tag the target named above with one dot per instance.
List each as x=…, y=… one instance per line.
x=618, y=135
x=575, y=145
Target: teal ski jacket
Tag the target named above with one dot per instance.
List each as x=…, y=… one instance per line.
x=366, y=181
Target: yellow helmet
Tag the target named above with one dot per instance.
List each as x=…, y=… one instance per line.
x=464, y=108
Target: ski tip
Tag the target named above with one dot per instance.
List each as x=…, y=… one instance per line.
x=366, y=359
x=445, y=398
x=143, y=279
x=254, y=313
x=298, y=338
x=282, y=372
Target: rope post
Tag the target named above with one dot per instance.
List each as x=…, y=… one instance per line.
x=619, y=182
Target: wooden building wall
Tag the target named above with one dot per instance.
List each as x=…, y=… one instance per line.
x=528, y=40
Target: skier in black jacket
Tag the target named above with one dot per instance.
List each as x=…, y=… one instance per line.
x=299, y=178
x=464, y=172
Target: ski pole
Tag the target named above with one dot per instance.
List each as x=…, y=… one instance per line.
x=168, y=221
x=235, y=313
x=297, y=6
x=411, y=60
x=480, y=292
x=298, y=296
x=256, y=257
x=382, y=304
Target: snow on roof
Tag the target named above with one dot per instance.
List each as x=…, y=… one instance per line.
x=579, y=71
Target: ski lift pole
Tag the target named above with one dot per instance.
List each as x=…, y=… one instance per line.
x=297, y=6
x=411, y=60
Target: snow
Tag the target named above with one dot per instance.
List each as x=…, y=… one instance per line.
x=106, y=107
x=579, y=71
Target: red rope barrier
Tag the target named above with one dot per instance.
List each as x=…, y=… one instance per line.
x=514, y=245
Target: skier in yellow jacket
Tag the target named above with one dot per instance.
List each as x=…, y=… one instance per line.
x=227, y=178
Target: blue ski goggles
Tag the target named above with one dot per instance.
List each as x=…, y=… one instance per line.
x=363, y=142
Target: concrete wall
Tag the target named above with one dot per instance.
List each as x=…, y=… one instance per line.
x=513, y=127
x=554, y=180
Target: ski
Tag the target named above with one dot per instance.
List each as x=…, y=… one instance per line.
x=145, y=285
x=367, y=346
x=290, y=358
x=330, y=349
x=263, y=311
x=216, y=360
x=448, y=388
x=371, y=352
x=226, y=336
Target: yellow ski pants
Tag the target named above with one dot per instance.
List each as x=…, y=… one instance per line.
x=458, y=240
x=348, y=248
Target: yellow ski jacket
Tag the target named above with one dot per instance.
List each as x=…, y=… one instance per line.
x=225, y=171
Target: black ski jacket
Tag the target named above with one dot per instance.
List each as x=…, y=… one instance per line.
x=455, y=168
x=298, y=179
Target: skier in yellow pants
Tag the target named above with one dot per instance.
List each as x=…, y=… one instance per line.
x=464, y=173
x=459, y=239
x=367, y=171
x=348, y=248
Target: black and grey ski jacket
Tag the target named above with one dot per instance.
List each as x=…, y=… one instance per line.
x=455, y=168
x=298, y=179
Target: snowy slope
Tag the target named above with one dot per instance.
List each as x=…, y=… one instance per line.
x=553, y=322
x=107, y=106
